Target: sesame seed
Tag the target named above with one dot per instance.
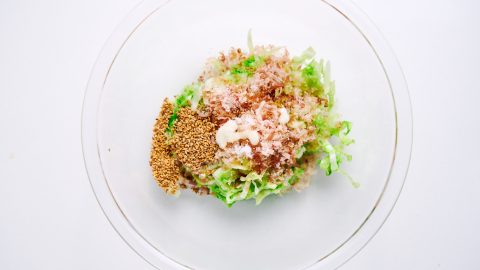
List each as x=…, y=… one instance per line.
x=192, y=140
x=164, y=169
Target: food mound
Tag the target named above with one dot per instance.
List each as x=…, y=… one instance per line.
x=255, y=123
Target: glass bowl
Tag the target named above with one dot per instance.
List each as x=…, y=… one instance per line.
x=160, y=47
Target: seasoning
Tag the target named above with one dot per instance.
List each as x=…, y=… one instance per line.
x=193, y=140
x=164, y=168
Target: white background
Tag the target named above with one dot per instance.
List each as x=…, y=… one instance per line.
x=49, y=218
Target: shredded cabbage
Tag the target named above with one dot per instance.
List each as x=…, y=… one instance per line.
x=250, y=41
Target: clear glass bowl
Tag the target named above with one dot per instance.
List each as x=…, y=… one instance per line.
x=160, y=47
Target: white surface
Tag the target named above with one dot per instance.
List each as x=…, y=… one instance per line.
x=202, y=233
x=49, y=218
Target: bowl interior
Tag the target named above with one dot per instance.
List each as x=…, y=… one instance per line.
x=166, y=52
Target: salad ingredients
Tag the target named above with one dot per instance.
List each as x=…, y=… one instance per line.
x=254, y=124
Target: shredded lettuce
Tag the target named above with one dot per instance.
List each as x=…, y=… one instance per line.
x=315, y=76
x=225, y=176
x=299, y=153
x=312, y=78
x=230, y=187
x=223, y=187
x=305, y=57
x=297, y=174
x=332, y=155
x=248, y=66
x=250, y=41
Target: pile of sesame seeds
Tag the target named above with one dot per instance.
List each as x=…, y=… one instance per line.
x=192, y=146
x=193, y=140
x=164, y=167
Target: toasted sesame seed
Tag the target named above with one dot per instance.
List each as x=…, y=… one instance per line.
x=164, y=169
x=192, y=140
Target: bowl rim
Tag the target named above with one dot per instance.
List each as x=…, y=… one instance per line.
x=337, y=257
